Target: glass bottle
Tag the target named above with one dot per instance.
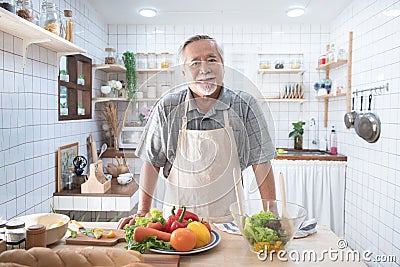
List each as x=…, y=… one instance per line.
x=70, y=179
x=68, y=26
x=25, y=10
x=333, y=141
x=8, y=5
x=49, y=19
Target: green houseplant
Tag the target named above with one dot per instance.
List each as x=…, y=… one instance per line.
x=297, y=134
x=131, y=79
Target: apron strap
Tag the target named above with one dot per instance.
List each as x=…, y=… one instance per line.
x=184, y=118
x=226, y=118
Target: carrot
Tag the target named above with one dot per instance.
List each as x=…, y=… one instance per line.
x=156, y=225
x=140, y=233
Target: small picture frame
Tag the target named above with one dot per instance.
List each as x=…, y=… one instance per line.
x=65, y=157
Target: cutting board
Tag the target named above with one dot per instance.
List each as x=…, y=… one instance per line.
x=85, y=240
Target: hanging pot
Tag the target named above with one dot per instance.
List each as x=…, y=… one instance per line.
x=349, y=117
x=358, y=117
x=369, y=126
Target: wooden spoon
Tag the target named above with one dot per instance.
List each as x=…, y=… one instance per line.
x=288, y=224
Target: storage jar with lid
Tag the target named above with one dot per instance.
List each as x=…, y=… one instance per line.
x=35, y=236
x=8, y=5
x=68, y=26
x=165, y=60
x=265, y=64
x=295, y=63
x=25, y=10
x=49, y=19
x=3, y=229
x=15, y=233
x=151, y=60
x=110, y=55
x=141, y=60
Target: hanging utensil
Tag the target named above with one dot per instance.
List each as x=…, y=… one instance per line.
x=369, y=126
x=358, y=117
x=350, y=117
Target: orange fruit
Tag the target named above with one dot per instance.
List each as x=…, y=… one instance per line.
x=110, y=234
x=183, y=239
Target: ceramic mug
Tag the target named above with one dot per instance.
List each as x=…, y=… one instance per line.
x=124, y=179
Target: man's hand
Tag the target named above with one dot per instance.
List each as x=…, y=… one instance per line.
x=130, y=220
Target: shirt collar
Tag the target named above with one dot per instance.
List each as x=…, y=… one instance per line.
x=223, y=101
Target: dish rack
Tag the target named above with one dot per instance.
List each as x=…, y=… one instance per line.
x=96, y=181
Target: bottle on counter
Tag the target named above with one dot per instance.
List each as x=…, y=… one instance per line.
x=333, y=141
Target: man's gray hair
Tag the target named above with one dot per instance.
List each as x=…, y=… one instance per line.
x=195, y=38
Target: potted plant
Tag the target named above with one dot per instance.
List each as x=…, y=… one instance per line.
x=297, y=133
x=64, y=76
x=81, y=79
x=131, y=79
x=81, y=110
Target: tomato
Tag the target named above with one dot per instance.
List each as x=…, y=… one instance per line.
x=183, y=239
x=203, y=236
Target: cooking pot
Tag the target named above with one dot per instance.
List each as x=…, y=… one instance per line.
x=349, y=117
x=369, y=125
x=358, y=117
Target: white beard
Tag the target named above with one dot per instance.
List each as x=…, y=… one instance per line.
x=206, y=88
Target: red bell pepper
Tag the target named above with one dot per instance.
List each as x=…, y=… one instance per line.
x=170, y=220
x=206, y=224
x=180, y=222
x=188, y=215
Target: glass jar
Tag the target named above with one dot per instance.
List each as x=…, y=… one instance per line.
x=141, y=60
x=15, y=233
x=8, y=5
x=3, y=229
x=322, y=59
x=151, y=60
x=49, y=19
x=295, y=63
x=68, y=26
x=165, y=60
x=265, y=64
x=25, y=10
x=279, y=64
x=110, y=57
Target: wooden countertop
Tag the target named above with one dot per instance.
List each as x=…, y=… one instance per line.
x=309, y=154
x=233, y=250
x=116, y=190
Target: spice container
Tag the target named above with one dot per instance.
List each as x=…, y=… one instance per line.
x=151, y=60
x=3, y=229
x=8, y=5
x=322, y=59
x=49, y=19
x=265, y=64
x=68, y=25
x=165, y=60
x=110, y=58
x=25, y=10
x=35, y=236
x=295, y=63
x=15, y=233
x=141, y=60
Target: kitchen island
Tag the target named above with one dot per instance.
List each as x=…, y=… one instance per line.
x=233, y=251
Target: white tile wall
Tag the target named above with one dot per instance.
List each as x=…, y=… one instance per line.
x=372, y=216
x=29, y=129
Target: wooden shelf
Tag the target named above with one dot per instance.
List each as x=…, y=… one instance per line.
x=33, y=34
x=109, y=67
x=155, y=70
x=281, y=71
x=330, y=96
x=112, y=153
x=299, y=100
x=107, y=99
x=332, y=65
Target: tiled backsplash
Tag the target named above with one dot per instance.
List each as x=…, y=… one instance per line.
x=29, y=129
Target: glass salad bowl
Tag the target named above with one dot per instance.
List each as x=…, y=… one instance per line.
x=265, y=226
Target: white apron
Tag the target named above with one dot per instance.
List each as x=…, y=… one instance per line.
x=201, y=177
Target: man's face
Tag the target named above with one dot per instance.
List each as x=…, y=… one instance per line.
x=203, y=69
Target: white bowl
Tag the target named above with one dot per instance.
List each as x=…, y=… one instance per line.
x=56, y=224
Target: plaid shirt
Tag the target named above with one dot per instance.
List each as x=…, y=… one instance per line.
x=159, y=140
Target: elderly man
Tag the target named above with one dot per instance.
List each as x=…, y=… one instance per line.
x=203, y=137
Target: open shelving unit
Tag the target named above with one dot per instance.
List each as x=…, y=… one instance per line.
x=120, y=99
x=33, y=34
x=333, y=65
x=109, y=68
x=298, y=100
x=281, y=71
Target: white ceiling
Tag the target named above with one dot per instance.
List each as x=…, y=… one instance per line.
x=218, y=11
